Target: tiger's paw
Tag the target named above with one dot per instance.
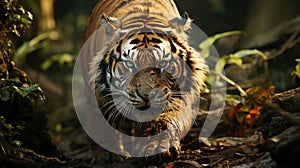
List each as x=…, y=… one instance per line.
x=161, y=148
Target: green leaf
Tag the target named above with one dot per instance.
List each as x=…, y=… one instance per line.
x=34, y=90
x=235, y=60
x=22, y=93
x=244, y=53
x=60, y=58
x=206, y=44
x=234, y=97
x=297, y=71
x=14, y=81
x=220, y=65
x=46, y=64
x=30, y=88
x=65, y=58
x=30, y=46
x=20, y=127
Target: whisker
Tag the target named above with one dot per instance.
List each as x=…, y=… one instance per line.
x=119, y=107
x=126, y=109
x=178, y=105
x=112, y=109
x=112, y=94
x=111, y=117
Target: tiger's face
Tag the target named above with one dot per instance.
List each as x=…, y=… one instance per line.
x=146, y=73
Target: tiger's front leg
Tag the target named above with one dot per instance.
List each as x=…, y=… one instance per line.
x=164, y=143
x=161, y=146
x=166, y=133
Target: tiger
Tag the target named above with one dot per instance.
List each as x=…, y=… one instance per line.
x=146, y=77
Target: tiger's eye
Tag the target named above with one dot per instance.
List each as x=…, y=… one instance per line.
x=163, y=64
x=129, y=64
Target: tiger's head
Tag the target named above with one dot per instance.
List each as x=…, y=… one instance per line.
x=147, y=69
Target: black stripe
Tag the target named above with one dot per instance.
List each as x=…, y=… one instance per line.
x=113, y=57
x=173, y=48
x=180, y=54
x=119, y=47
x=156, y=46
x=155, y=40
x=123, y=4
x=135, y=41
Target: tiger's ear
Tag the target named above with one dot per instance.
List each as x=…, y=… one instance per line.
x=182, y=24
x=109, y=24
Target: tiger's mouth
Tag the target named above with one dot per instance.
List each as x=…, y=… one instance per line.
x=156, y=98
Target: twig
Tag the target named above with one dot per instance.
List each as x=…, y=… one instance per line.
x=42, y=156
x=217, y=161
x=292, y=41
x=243, y=93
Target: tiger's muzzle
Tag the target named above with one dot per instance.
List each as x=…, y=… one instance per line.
x=147, y=89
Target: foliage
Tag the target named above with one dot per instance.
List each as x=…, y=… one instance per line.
x=62, y=59
x=34, y=44
x=247, y=111
x=208, y=43
x=296, y=72
x=14, y=92
x=17, y=96
x=13, y=87
x=40, y=42
x=249, y=102
x=13, y=19
x=236, y=58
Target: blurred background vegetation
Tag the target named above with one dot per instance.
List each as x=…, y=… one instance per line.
x=48, y=50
